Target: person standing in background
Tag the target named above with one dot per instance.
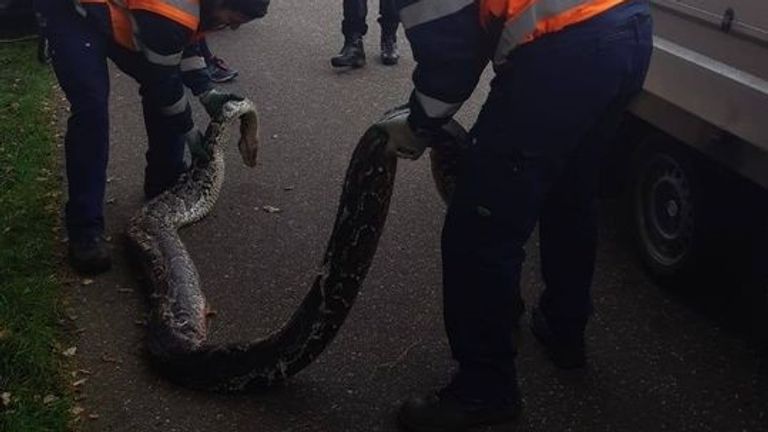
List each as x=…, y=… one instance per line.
x=354, y=28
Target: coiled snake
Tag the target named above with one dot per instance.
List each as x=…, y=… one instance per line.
x=177, y=321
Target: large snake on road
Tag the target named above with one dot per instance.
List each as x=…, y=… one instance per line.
x=177, y=323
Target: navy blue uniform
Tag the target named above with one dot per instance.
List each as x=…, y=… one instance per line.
x=81, y=41
x=533, y=158
x=356, y=11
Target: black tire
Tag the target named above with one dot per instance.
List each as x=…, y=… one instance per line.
x=668, y=212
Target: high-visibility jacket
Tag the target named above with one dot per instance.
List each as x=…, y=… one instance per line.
x=453, y=41
x=162, y=33
x=124, y=28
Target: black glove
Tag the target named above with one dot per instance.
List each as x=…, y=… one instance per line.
x=213, y=100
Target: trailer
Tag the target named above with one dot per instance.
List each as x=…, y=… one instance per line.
x=694, y=158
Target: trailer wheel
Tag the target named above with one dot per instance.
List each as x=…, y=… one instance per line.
x=668, y=213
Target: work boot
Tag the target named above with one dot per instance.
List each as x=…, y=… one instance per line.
x=389, y=54
x=447, y=411
x=219, y=71
x=566, y=352
x=352, y=54
x=89, y=256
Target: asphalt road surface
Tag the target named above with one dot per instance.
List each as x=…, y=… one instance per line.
x=657, y=361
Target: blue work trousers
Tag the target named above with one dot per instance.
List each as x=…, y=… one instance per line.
x=79, y=51
x=534, y=158
x=356, y=11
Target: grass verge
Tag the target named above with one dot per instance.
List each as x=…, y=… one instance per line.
x=33, y=396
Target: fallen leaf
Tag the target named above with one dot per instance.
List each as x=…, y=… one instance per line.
x=77, y=410
x=50, y=399
x=125, y=290
x=289, y=188
x=93, y=416
x=79, y=382
x=6, y=398
x=69, y=352
x=109, y=359
x=271, y=209
x=87, y=282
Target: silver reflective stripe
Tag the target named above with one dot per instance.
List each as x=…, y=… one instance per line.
x=435, y=108
x=176, y=108
x=161, y=59
x=79, y=8
x=424, y=11
x=192, y=63
x=187, y=6
x=516, y=30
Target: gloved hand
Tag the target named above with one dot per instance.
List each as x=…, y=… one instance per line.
x=196, y=143
x=406, y=143
x=213, y=101
x=409, y=143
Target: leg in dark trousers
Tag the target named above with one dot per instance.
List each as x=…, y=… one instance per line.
x=389, y=17
x=79, y=57
x=355, y=13
x=165, y=149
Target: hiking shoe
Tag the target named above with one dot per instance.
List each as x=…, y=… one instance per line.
x=89, y=256
x=447, y=411
x=565, y=352
x=220, y=72
x=389, y=53
x=352, y=54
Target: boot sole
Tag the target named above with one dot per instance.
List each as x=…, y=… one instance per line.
x=353, y=65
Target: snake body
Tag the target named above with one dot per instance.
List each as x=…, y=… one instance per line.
x=177, y=322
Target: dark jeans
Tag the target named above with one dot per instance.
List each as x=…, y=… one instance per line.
x=534, y=159
x=79, y=55
x=355, y=12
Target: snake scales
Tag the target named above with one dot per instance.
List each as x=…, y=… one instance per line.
x=177, y=321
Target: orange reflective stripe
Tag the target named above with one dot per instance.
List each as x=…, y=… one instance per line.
x=185, y=18
x=573, y=16
x=526, y=20
x=92, y=1
x=122, y=28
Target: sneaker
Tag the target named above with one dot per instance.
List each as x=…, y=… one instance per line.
x=565, y=352
x=89, y=256
x=389, y=53
x=447, y=411
x=352, y=54
x=220, y=72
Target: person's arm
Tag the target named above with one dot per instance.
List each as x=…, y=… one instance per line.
x=194, y=69
x=451, y=51
x=162, y=42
